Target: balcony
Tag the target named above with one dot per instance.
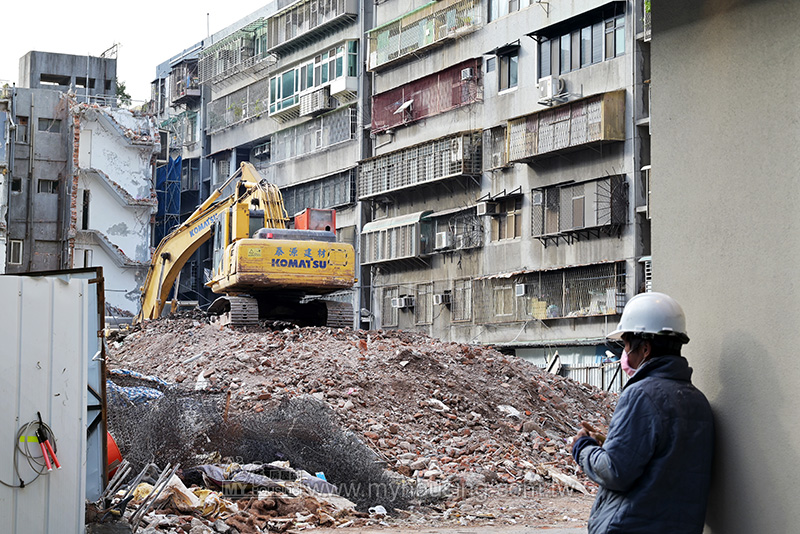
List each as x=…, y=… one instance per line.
x=240, y=55
x=433, y=24
x=185, y=82
x=579, y=124
x=574, y=211
x=303, y=22
x=433, y=161
x=443, y=91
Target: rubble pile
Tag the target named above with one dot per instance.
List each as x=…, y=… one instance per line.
x=457, y=421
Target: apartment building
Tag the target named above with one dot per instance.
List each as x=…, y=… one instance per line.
x=280, y=89
x=488, y=159
x=506, y=195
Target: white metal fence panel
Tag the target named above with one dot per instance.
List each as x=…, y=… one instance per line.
x=43, y=369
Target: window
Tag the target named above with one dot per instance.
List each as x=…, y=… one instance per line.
x=50, y=125
x=491, y=63
x=615, y=37
x=501, y=8
x=462, y=300
x=507, y=224
x=85, y=211
x=285, y=88
x=503, y=299
x=582, y=210
x=509, y=64
x=583, y=46
x=423, y=304
x=22, y=129
x=223, y=170
x=389, y=315
x=15, y=252
x=16, y=185
x=48, y=186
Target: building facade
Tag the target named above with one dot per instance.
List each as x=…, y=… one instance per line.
x=506, y=194
x=77, y=187
x=489, y=160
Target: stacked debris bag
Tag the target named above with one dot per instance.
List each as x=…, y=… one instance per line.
x=392, y=418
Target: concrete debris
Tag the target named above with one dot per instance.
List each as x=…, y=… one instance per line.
x=438, y=413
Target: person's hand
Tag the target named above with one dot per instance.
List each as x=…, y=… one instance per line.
x=571, y=441
x=592, y=432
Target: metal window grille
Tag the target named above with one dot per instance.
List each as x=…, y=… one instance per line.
x=304, y=17
x=328, y=192
x=565, y=209
x=423, y=305
x=495, y=154
x=446, y=157
x=322, y=132
x=246, y=103
x=241, y=52
x=589, y=120
x=462, y=300
x=440, y=92
x=430, y=24
x=390, y=244
x=592, y=290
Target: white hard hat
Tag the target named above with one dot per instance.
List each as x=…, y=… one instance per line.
x=653, y=314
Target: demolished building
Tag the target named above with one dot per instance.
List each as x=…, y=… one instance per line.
x=78, y=186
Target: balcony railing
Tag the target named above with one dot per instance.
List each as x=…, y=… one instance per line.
x=571, y=126
x=447, y=157
x=185, y=82
x=443, y=91
x=430, y=25
x=242, y=53
x=302, y=21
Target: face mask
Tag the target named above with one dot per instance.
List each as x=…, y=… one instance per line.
x=624, y=362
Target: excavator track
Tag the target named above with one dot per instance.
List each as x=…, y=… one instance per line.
x=236, y=311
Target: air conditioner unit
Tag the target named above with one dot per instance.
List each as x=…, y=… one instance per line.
x=486, y=208
x=459, y=242
x=441, y=299
x=519, y=290
x=398, y=302
x=316, y=102
x=550, y=87
x=467, y=74
x=537, y=198
x=408, y=302
x=443, y=240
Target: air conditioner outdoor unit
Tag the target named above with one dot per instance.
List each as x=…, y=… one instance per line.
x=467, y=74
x=550, y=87
x=408, y=302
x=519, y=290
x=441, y=299
x=486, y=208
x=443, y=240
x=398, y=302
x=459, y=241
x=315, y=102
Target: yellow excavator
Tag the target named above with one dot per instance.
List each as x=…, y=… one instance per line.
x=263, y=269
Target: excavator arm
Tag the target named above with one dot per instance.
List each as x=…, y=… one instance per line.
x=175, y=249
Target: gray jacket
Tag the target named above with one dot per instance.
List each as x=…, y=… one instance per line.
x=654, y=468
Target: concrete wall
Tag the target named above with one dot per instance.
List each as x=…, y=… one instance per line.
x=726, y=146
x=114, y=156
x=72, y=70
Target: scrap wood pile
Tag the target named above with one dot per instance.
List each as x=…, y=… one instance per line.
x=370, y=409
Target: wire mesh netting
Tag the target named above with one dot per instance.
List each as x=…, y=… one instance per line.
x=191, y=427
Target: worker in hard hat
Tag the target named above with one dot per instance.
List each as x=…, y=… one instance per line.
x=654, y=467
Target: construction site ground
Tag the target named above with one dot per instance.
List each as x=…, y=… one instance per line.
x=480, y=436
